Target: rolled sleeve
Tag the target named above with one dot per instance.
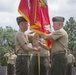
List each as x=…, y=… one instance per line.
x=22, y=39
x=57, y=34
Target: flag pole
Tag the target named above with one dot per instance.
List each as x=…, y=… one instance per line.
x=38, y=63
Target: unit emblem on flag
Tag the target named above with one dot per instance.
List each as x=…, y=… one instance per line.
x=42, y=3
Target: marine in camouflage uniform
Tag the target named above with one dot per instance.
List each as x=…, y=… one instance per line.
x=59, y=47
x=43, y=58
x=22, y=47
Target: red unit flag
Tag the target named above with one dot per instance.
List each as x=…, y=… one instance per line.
x=36, y=13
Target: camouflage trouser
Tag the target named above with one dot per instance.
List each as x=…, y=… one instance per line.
x=22, y=65
x=59, y=64
x=43, y=65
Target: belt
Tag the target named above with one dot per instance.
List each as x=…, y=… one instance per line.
x=40, y=55
x=58, y=52
x=24, y=54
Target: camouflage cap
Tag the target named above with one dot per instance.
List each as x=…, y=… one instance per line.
x=20, y=19
x=58, y=19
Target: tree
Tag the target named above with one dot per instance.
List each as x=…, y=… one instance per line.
x=70, y=27
x=7, y=39
x=7, y=42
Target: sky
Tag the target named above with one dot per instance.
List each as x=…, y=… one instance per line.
x=8, y=11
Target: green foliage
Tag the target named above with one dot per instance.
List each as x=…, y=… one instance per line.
x=7, y=39
x=4, y=61
x=70, y=27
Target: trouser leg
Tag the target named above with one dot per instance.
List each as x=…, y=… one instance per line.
x=10, y=69
x=22, y=63
x=59, y=64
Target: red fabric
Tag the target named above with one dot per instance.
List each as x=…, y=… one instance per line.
x=24, y=9
x=37, y=15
